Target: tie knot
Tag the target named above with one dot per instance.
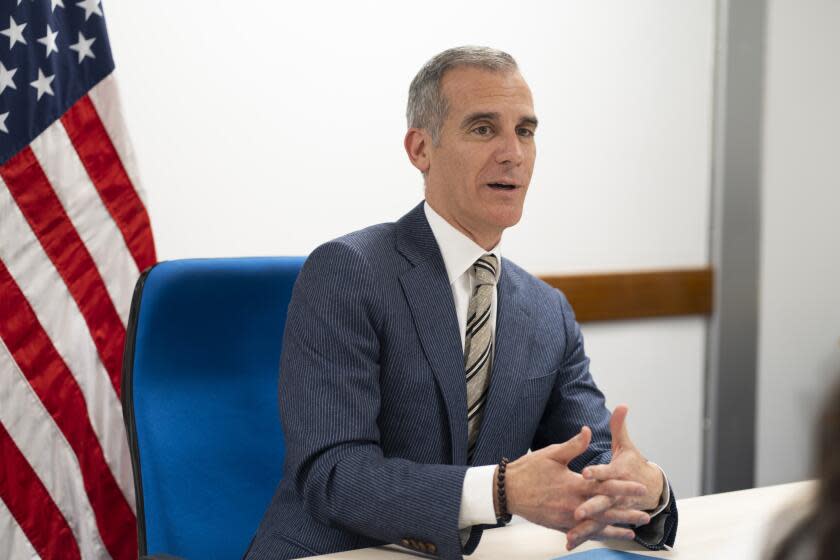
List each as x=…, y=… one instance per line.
x=485, y=270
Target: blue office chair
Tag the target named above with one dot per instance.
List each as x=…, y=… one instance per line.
x=199, y=395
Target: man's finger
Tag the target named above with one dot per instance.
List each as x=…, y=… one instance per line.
x=593, y=507
x=618, y=428
x=626, y=503
x=605, y=510
x=596, y=505
x=603, y=472
x=614, y=533
x=582, y=532
x=615, y=516
x=616, y=488
x=568, y=450
x=575, y=535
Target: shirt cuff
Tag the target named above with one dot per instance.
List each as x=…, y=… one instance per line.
x=664, y=499
x=477, y=497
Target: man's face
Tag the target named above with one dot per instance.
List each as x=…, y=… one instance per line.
x=480, y=170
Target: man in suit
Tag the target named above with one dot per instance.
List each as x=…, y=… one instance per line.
x=415, y=359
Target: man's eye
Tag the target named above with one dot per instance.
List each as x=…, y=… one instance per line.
x=527, y=132
x=482, y=130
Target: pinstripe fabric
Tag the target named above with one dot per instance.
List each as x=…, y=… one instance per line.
x=478, y=345
x=373, y=394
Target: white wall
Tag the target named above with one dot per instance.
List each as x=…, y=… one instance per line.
x=799, y=330
x=269, y=127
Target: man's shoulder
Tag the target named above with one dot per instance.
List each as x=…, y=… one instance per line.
x=370, y=241
x=551, y=303
x=356, y=265
x=527, y=281
x=370, y=248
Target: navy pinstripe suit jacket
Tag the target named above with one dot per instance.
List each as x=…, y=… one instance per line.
x=373, y=395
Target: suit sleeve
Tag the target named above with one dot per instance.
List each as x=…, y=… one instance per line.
x=575, y=402
x=329, y=404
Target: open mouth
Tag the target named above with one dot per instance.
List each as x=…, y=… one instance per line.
x=501, y=186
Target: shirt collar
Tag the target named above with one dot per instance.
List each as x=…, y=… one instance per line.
x=459, y=251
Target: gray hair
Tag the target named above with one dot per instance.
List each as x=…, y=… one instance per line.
x=427, y=106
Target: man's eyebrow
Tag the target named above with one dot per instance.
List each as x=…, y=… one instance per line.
x=530, y=120
x=481, y=116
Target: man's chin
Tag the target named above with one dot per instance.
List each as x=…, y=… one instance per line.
x=505, y=218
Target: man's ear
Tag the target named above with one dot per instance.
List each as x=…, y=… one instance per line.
x=417, y=143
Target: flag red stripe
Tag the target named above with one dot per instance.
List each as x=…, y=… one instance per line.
x=41, y=207
x=32, y=506
x=55, y=385
x=105, y=168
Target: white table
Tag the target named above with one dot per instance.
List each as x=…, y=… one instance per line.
x=719, y=526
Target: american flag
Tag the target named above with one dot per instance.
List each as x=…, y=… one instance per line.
x=74, y=236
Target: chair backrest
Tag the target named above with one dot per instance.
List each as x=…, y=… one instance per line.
x=200, y=401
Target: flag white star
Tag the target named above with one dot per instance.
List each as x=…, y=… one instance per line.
x=42, y=84
x=48, y=41
x=3, y=117
x=90, y=7
x=57, y=3
x=83, y=47
x=14, y=32
x=6, y=78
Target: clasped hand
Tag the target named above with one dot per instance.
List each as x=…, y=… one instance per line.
x=541, y=488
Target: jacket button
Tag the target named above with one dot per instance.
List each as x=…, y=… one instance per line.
x=405, y=543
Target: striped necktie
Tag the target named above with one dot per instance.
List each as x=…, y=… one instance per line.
x=478, y=345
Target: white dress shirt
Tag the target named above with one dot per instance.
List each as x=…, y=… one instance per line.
x=459, y=254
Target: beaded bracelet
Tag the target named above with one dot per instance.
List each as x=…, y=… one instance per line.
x=504, y=516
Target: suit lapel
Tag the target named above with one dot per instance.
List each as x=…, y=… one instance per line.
x=510, y=360
x=429, y=297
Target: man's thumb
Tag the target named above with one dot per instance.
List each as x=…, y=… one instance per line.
x=618, y=428
x=568, y=450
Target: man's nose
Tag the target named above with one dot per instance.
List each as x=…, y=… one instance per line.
x=510, y=149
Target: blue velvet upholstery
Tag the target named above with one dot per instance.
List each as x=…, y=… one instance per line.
x=200, y=401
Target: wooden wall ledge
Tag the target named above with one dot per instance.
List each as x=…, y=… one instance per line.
x=635, y=295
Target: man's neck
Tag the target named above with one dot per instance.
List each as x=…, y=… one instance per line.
x=485, y=240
